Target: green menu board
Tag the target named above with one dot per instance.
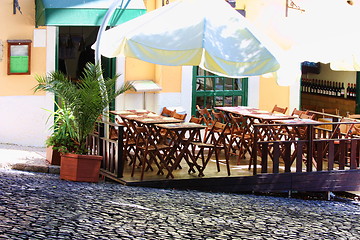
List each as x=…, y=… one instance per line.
x=19, y=64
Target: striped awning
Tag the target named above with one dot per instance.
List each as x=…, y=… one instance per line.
x=85, y=12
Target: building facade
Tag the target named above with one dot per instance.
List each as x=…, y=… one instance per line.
x=58, y=45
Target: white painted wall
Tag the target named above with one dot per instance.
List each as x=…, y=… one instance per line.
x=23, y=121
x=253, y=91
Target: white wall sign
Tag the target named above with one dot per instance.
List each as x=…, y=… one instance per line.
x=39, y=38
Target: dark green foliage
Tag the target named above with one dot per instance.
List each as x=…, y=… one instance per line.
x=82, y=104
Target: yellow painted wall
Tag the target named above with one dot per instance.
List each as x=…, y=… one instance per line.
x=271, y=93
x=13, y=27
x=168, y=77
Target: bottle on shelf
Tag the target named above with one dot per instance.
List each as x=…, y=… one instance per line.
x=354, y=91
x=348, y=89
x=338, y=89
x=334, y=90
x=342, y=90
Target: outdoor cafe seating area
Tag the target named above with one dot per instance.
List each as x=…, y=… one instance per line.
x=228, y=141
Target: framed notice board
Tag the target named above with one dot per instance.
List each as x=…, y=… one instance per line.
x=19, y=56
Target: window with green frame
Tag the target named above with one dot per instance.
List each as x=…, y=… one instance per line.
x=210, y=90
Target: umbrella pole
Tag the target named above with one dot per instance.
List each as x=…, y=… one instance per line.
x=102, y=29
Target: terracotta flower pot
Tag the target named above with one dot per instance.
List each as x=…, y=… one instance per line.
x=80, y=168
x=53, y=156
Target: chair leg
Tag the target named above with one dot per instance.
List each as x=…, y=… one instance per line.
x=134, y=163
x=227, y=156
x=217, y=159
x=143, y=168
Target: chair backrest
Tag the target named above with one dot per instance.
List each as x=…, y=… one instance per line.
x=297, y=112
x=219, y=116
x=238, y=125
x=167, y=112
x=194, y=119
x=307, y=116
x=205, y=114
x=346, y=129
x=129, y=130
x=333, y=111
x=279, y=109
x=179, y=116
x=354, y=116
x=216, y=134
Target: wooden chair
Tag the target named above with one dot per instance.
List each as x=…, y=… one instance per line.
x=277, y=109
x=241, y=137
x=326, y=118
x=197, y=137
x=164, y=132
x=219, y=116
x=354, y=116
x=297, y=112
x=356, y=128
x=307, y=116
x=179, y=116
x=197, y=120
x=129, y=141
x=343, y=148
x=332, y=111
x=207, y=118
x=214, y=142
x=167, y=112
x=200, y=120
x=150, y=149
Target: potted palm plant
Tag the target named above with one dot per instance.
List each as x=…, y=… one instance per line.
x=82, y=104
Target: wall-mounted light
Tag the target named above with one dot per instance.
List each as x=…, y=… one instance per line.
x=165, y=2
x=16, y=5
x=292, y=5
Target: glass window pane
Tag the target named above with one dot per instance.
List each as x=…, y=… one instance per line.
x=209, y=73
x=209, y=102
x=219, y=83
x=228, y=83
x=200, y=101
x=200, y=72
x=19, y=50
x=200, y=84
x=209, y=84
x=238, y=84
x=228, y=101
x=237, y=101
x=219, y=101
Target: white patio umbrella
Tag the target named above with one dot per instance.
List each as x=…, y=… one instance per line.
x=206, y=33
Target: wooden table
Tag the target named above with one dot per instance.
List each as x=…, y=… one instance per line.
x=181, y=144
x=254, y=116
x=147, y=120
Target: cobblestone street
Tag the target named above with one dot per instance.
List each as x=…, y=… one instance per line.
x=40, y=206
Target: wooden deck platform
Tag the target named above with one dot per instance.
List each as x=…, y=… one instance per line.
x=335, y=173
x=243, y=180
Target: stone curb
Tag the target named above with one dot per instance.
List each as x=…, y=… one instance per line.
x=36, y=168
